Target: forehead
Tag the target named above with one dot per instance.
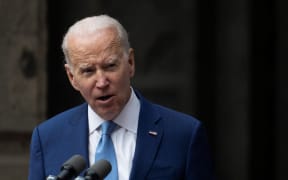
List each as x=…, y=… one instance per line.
x=104, y=42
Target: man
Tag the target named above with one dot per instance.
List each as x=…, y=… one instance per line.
x=150, y=141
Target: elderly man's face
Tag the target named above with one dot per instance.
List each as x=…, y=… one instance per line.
x=101, y=71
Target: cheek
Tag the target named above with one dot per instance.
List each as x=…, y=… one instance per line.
x=123, y=79
x=84, y=86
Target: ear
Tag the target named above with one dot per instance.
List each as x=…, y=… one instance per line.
x=71, y=76
x=131, y=62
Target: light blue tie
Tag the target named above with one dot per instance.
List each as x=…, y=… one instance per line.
x=105, y=149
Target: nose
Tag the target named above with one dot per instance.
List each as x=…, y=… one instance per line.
x=102, y=81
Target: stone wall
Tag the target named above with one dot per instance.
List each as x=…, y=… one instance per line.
x=23, y=83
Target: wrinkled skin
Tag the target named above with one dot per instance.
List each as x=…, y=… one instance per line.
x=101, y=71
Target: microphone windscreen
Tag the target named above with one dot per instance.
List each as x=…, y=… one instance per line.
x=100, y=169
x=77, y=162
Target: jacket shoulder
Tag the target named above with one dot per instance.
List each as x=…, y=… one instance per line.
x=65, y=116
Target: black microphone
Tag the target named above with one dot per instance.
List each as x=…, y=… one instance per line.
x=72, y=167
x=98, y=171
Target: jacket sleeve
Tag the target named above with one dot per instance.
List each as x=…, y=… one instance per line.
x=199, y=164
x=36, y=164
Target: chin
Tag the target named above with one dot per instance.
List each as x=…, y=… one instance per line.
x=109, y=116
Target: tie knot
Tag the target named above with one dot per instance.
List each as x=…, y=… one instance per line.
x=107, y=127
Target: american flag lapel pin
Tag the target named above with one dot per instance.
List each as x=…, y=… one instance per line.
x=153, y=133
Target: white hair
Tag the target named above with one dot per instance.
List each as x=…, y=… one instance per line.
x=91, y=25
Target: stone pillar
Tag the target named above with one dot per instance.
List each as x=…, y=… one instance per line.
x=281, y=87
x=23, y=81
x=232, y=90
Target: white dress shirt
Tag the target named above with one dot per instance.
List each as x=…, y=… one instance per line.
x=123, y=137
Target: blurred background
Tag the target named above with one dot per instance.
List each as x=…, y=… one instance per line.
x=222, y=61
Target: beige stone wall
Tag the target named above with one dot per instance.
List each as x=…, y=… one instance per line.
x=22, y=81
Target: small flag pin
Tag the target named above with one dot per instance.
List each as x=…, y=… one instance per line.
x=153, y=133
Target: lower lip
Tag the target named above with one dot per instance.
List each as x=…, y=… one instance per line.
x=109, y=100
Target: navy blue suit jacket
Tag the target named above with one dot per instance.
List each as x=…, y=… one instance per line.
x=178, y=151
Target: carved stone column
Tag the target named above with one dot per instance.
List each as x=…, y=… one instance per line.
x=23, y=81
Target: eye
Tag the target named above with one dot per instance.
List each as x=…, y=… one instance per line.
x=87, y=71
x=110, y=66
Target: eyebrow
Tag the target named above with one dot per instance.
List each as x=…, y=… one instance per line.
x=84, y=65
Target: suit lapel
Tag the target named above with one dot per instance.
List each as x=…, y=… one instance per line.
x=149, y=135
x=79, y=133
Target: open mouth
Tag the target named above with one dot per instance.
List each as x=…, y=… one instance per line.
x=104, y=98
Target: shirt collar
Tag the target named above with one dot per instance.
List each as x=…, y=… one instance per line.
x=128, y=117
